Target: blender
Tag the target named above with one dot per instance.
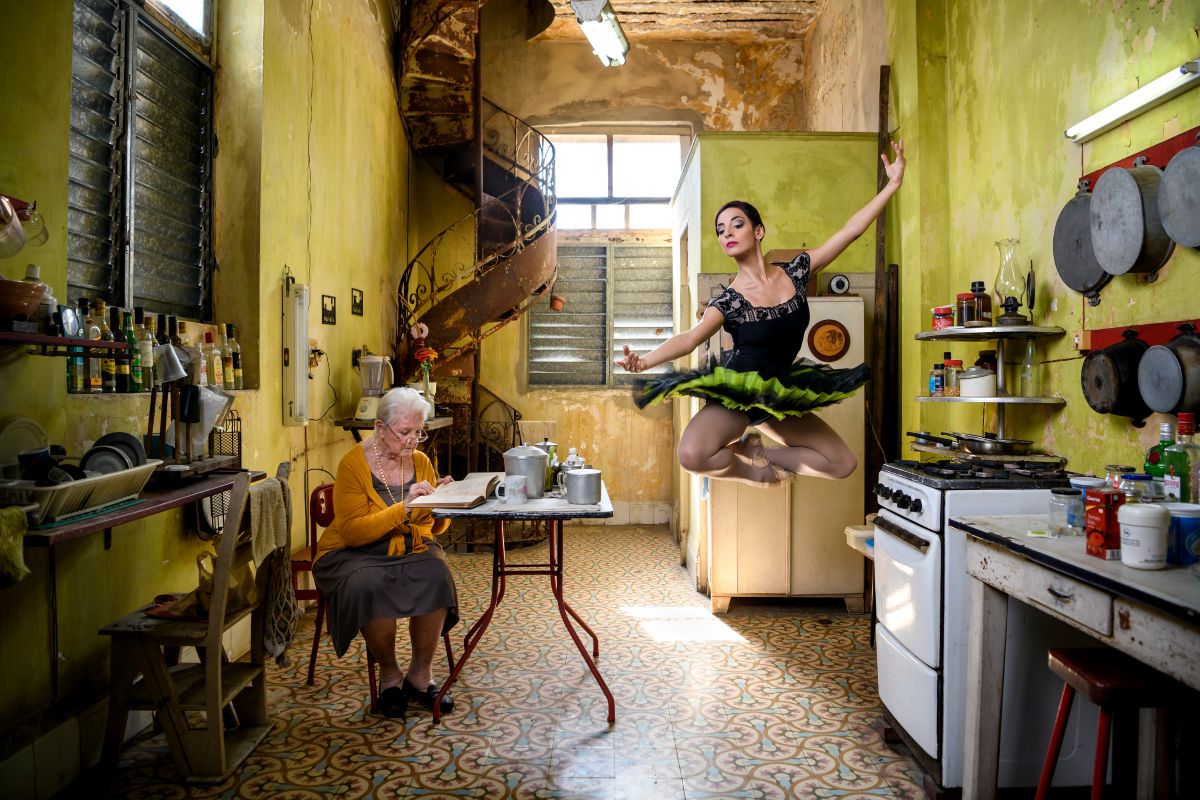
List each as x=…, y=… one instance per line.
x=370, y=372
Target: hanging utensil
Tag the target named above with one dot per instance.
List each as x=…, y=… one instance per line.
x=1179, y=197
x=1110, y=379
x=1074, y=256
x=1127, y=231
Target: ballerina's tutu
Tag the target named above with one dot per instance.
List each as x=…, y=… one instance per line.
x=806, y=387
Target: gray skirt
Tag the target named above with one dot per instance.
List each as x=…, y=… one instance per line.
x=365, y=583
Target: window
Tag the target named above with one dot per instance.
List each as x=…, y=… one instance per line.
x=611, y=181
x=616, y=294
x=139, y=223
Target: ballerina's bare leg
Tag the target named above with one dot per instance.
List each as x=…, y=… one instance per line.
x=811, y=447
x=708, y=447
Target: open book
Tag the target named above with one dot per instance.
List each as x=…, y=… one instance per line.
x=469, y=492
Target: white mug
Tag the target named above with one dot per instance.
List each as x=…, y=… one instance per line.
x=513, y=490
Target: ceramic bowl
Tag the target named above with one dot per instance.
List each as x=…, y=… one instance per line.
x=19, y=299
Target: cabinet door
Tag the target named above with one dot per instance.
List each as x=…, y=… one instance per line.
x=749, y=539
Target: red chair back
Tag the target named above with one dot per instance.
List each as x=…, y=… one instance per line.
x=320, y=514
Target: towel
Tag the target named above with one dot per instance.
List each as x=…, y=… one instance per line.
x=269, y=516
x=12, y=546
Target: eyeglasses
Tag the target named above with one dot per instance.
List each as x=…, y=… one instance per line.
x=419, y=436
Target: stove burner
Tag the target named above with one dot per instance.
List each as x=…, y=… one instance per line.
x=990, y=473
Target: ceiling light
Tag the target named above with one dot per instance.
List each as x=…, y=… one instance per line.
x=1178, y=80
x=601, y=28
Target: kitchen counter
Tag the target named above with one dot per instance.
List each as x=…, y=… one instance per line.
x=1151, y=615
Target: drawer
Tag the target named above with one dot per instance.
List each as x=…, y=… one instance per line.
x=1075, y=601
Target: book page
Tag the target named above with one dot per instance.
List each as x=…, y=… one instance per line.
x=471, y=491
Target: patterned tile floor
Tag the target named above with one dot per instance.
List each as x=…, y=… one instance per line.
x=768, y=701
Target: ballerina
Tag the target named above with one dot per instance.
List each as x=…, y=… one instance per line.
x=765, y=310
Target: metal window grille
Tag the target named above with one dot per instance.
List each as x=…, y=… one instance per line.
x=140, y=218
x=616, y=294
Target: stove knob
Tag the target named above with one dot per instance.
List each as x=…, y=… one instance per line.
x=882, y=491
x=901, y=500
x=915, y=506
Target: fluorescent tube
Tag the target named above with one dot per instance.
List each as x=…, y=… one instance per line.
x=1178, y=80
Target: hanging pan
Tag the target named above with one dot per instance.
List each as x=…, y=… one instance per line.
x=1110, y=379
x=1073, y=254
x=1127, y=231
x=1179, y=197
x=1169, y=374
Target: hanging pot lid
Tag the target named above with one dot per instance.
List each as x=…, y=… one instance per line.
x=1179, y=197
x=1074, y=256
x=1127, y=232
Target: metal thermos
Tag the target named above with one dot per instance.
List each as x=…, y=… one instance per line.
x=531, y=462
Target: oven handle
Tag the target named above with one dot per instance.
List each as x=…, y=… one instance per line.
x=895, y=530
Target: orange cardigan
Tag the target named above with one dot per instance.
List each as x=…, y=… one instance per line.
x=361, y=516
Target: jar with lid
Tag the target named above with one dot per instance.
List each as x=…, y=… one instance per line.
x=1137, y=488
x=987, y=360
x=937, y=378
x=1113, y=473
x=954, y=368
x=983, y=305
x=943, y=317
x=964, y=303
x=1066, y=512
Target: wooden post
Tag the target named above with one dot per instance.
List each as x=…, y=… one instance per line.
x=881, y=321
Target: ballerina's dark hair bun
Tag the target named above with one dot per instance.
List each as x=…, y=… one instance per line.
x=750, y=211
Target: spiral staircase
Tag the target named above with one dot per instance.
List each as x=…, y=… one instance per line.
x=483, y=271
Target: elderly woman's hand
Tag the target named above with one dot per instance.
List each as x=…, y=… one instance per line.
x=442, y=481
x=418, y=489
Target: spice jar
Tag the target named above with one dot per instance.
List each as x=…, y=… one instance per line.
x=983, y=305
x=1113, y=473
x=943, y=317
x=953, y=370
x=1066, y=512
x=964, y=302
x=937, y=378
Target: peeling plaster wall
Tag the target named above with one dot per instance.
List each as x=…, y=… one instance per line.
x=842, y=57
x=982, y=90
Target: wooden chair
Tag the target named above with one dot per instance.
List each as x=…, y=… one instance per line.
x=320, y=515
x=191, y=699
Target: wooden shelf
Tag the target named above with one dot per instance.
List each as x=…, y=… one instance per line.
x=1013, y=401
x=964, y=334
x=58, y=345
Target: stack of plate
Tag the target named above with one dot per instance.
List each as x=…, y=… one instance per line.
x=113, y=452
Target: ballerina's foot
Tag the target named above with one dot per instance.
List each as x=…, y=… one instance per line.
x=749, y=448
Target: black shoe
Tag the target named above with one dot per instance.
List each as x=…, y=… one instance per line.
x=424, y=698
x=393, y=702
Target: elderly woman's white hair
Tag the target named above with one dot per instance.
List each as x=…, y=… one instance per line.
x=399, y=402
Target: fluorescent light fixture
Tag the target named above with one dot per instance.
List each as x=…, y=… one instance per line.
x=1178, y=80
x=601, y=28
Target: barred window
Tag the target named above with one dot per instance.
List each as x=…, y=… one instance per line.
x=616, y=294
x=139, y=229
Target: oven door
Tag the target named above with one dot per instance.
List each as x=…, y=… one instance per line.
x=908, y=585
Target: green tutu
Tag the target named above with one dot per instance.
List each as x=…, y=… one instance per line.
x=806, y=387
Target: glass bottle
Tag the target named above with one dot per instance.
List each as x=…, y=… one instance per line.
x=1155, y=465
x=983, y=305
x=1182, y=462
x=92, y=382
x=1030, y=380
x=226, y=358
x=181, y=329
x=108, y=365
x=162, y=334
x=236, y=349
x=1010, y=278
x=121, y=362
x=173, y=331
x=964, y=303
x=146, y=342
x=135, y=353
x=216, y=363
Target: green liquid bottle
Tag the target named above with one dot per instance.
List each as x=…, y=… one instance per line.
x=1182, y=462
x=1156, y=465
x=135, y=353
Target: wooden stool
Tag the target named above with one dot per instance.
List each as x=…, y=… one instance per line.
x=1111, y=680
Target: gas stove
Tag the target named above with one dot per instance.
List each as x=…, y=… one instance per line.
x=949, y=475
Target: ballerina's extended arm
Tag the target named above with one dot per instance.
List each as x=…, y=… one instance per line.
x=857, y=225
x=678, y=345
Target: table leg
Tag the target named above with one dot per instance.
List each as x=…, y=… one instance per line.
x=985, y=679
x=556, y=535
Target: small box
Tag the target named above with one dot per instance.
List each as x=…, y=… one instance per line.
x=1101, y=524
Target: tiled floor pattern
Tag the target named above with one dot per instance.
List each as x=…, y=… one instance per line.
x=765, y=702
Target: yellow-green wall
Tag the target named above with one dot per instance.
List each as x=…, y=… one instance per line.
x=982, y=90
x=313, y=175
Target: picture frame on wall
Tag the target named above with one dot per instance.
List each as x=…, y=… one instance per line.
x=356, y=302
x=328, y=309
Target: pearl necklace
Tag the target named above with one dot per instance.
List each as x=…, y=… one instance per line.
x=383, y=472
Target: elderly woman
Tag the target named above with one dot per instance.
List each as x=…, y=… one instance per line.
x=378, y=561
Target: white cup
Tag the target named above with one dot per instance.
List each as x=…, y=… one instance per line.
x=513, y=490
x=1144, y=535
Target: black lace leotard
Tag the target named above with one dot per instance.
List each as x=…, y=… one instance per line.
x=766, y=340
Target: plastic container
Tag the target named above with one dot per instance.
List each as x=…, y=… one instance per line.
x=1144, y=535
x=937, y=378
x=1137, y=488
x=1066, y=512
x=1085, y=482
x=954, y=369
x=943, y=317
x=977, y=382
x=1183, y=535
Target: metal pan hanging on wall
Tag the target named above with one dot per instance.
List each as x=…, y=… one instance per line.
x=1073, y=254
x=1127, y=231
x=1179, y=197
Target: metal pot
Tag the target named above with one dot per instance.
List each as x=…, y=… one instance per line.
x=1127, y=232
x=1169, y=374
x=1179, y=197
x=1074, y=257
x=991, y=446
x=531, y=462
x=1110, y=378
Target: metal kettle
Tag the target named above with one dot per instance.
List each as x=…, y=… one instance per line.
x=531, y=462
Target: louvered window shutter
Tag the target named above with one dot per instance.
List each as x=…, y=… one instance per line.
x=567, y=348
x=641, y=292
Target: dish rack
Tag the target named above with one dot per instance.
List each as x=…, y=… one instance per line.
x=66, y=500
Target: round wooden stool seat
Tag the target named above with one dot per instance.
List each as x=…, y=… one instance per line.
x=1110, y=678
